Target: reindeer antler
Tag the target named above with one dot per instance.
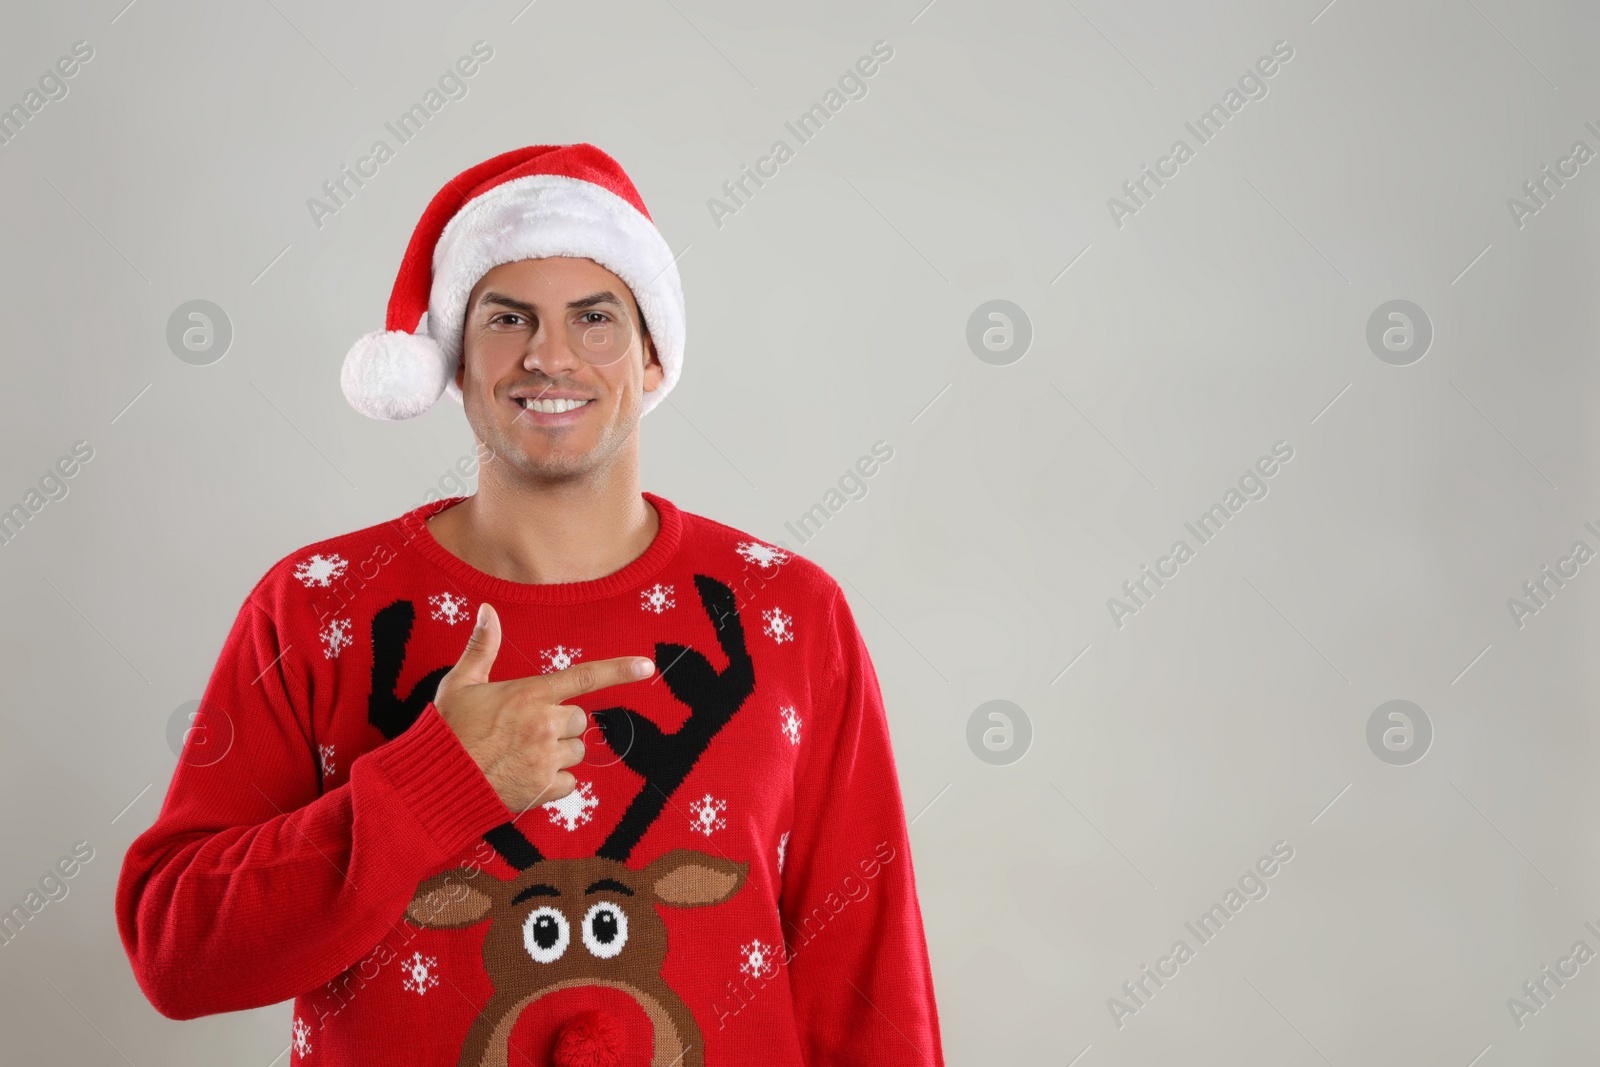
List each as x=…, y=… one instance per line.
x=663, y=760
x=513, y=846
x=387, y=710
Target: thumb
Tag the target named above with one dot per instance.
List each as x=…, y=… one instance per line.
x=482, y=646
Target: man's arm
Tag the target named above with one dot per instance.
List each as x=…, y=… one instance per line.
x=253, y=886
x=859, y=972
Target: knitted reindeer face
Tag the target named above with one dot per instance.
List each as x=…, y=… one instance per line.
x=563, y=924
x=582, y=922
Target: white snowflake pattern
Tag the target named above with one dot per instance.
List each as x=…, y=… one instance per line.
x=448, y=608
x=779, y=627
x=707, y=814
x=335, y=637
x=574, y=809
x=791, y=724
x=783, y=847
x=657, y=598
x=759, y=554
x=302, y=1037
x=320, y=570
x=325, y=757
x=759, y=960
x=559, y=658
x=419, y=973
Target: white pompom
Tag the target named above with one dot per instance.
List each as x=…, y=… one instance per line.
x=394, y=375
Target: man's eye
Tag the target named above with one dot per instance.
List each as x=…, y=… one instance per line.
x=506, y=315
x=598, y=315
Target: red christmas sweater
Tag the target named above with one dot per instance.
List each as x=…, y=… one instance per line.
x=729, y=884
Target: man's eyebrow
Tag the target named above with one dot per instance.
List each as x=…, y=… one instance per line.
x=605, y=296
x=493, y=297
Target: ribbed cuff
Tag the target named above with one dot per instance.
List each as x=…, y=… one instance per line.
x=440, y=782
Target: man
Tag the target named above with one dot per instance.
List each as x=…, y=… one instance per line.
x=431, y=798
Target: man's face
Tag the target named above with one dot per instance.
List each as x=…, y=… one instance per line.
x=557, y=329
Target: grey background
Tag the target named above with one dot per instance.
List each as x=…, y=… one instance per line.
x=831, y=312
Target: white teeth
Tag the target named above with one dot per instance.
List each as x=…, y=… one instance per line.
x=551, y=407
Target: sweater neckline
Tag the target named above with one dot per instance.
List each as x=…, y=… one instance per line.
x=661, y=549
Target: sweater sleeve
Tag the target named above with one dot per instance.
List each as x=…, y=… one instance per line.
x=857, y=955
x=254, y=886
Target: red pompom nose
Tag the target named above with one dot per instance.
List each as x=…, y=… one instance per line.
x=589, y=1039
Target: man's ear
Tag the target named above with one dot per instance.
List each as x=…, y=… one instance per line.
x=653, y=371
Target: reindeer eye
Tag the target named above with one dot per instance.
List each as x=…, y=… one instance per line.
x=605, y=929
x=545, y=934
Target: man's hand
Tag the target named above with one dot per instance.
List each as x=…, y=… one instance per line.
x=518, y=731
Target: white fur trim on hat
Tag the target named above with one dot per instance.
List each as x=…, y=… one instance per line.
x=546, y=215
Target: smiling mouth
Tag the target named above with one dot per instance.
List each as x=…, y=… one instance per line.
x=550, y=407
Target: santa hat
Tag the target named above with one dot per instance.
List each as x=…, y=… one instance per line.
x=529, y=203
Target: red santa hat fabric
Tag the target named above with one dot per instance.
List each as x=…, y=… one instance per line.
x=529, y=203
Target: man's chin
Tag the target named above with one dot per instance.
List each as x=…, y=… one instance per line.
x=541, y=454
x=547, y=464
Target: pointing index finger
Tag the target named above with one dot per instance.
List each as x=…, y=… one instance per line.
x=583, y=678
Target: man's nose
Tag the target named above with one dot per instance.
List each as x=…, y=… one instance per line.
x=548, y=351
